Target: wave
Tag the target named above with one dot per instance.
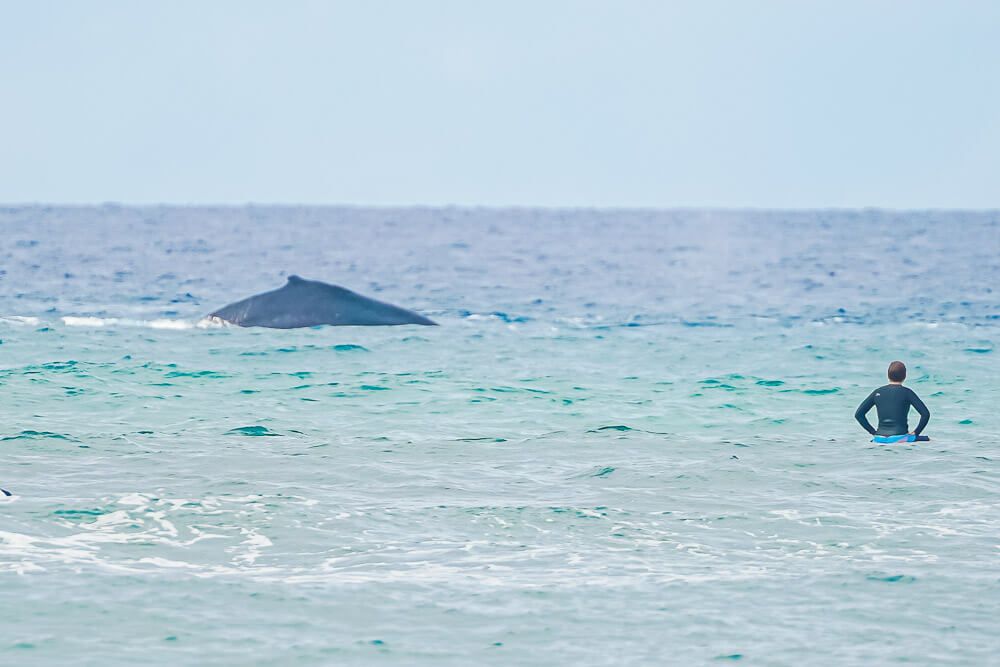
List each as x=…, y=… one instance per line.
x=162, y=323
x=20, y=319
x=496, y=315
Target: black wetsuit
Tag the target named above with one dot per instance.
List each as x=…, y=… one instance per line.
x=893, y=402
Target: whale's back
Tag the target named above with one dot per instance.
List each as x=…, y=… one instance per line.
x=309, y=303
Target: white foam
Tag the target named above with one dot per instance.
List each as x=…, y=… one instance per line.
x=257, y=540
x=21, y=319
x=169, y=324
x=163, y=323
x=87, y=321
x=166, y=562
x=134, y=499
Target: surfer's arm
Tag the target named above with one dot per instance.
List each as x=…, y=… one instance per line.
x=925, y=414
x=861, y=414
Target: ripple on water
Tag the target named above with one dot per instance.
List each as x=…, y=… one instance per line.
x=40, y=435
x=253, y=431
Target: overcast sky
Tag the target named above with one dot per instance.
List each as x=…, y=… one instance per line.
x=544, y=102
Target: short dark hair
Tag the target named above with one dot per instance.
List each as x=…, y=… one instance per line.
x=897, y=371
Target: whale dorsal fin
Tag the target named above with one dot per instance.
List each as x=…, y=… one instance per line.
x=295, y=280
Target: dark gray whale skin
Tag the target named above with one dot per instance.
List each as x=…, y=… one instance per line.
x=310, y=303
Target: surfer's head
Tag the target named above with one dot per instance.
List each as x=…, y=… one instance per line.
x=897, y=371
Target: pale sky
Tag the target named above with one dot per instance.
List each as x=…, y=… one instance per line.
x=553, y=103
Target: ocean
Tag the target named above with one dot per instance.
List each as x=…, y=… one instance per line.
x=630, y=442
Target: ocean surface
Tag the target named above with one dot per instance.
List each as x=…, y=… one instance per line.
x=630, y=442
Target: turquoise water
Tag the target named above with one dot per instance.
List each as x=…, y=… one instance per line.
x=631, y=441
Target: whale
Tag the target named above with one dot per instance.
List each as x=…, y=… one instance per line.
x=5, y=493
x=310, y=303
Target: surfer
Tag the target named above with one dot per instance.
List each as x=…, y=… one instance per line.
x=893, y=403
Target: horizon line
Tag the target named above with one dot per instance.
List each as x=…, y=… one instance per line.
x=492, y=206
